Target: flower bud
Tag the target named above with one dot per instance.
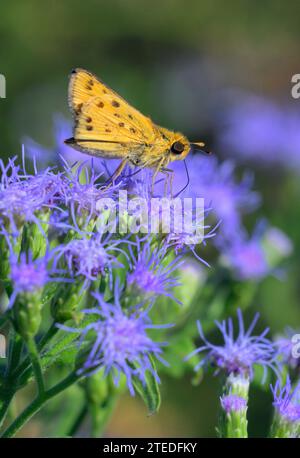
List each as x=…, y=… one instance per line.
x=233, y=419
x=27, y=314
x=66, y=301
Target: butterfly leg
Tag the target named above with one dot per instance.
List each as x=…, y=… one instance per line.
x=116, y=173
x=169, y=180
x=153, y=180
x=159, y=168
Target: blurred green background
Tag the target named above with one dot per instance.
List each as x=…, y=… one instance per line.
x=173, y=60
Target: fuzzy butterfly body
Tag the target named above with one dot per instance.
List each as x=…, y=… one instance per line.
x=107, y=126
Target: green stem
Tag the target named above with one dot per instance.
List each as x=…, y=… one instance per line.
x=36, y=365
x=36, y=405
x=14, y=354
x=41, y=344
x=78, y=421
x=4, y=407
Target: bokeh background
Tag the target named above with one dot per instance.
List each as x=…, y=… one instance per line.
x=217, y=71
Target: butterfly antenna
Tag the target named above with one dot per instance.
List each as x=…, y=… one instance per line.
x=198, y=147
x=188, y=179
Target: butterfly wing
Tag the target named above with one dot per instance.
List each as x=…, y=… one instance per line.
x=105, y=124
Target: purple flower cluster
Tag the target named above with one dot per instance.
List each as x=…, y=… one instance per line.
x=29, y=275
x=82, y=250
x=216, y=183
x=89, y=256
x=260, y=130
x=238, y=355
x=285, y=347
x=151, y=273
x=83, y=190
x=23, y=196
x=255, y=257
x=247, y=258
x=233, y=403
x=287, y=401
x=120, y=343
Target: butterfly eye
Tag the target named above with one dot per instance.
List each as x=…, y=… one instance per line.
x=177, y=148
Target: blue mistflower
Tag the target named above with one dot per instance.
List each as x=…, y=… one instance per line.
x=185, y=227
x=120, y=343
x=28, y=275
x=216, y=183
x=238, y=356
x=233, y=403
x=31, y=275
x=247, y=259
x=85, y=190
x=23, y=195
x=285, y=347
x=90, y=256
x=255, y=127
x=287, y=401
x=151, y=273
x=188, y=239
x=258, y=256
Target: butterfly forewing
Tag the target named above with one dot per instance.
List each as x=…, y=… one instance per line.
x=82, y=86
x=99, y=122
x=107, y=115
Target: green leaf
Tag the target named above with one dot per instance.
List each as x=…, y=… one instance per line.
x=149, y=390
x=66, y=355
x=65, y=348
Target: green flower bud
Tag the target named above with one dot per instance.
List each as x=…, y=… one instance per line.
x=4, y=264
x=27, y=314
x=234, y=403
x=96, y=388
x=101, y=398
x=33, y=240
x=66, y=302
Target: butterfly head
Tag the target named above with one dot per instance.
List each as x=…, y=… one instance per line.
x=179, y=147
